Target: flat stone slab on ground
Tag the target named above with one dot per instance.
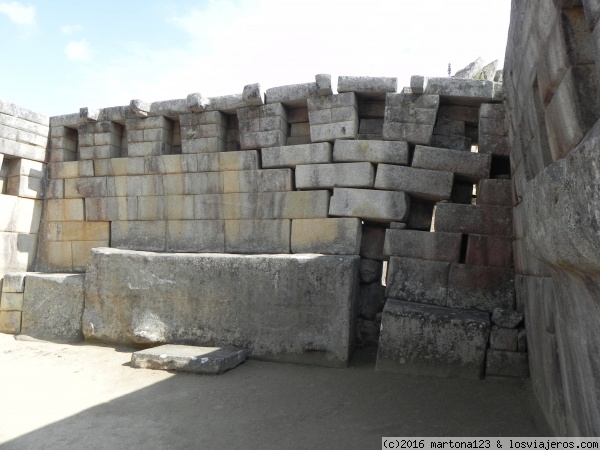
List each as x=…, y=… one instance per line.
x=189, y=358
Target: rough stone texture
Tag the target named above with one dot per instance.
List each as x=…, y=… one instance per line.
x=294, y=155
x=10, y=322
x=506, y=364
x=371, y=151
x=188, y=358
x=503, y=338
x=377, y=206
x=371, y=245
x=410, y=117
x=13, y=282
x=278, y=309
x=496, y=251
x=53, y=307
x=472, y=219
x=367, y=85
x=507, y=318
x=420, y=216
x=333, y=117
x=322, y=176
x=494, y=192
x=257, y=236
x=417, y=280
x=459, y=89
x=423, y=245
x=372, y=300
x=370, y=270
x=432, y=341
x=465, y=165
x=479, y=287
x=328, y=236
x=419, y=183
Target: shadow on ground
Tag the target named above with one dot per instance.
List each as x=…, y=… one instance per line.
x=267, y=405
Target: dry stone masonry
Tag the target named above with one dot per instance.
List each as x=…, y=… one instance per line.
x=438, y=222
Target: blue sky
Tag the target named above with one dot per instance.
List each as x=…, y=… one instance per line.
x=58, y=56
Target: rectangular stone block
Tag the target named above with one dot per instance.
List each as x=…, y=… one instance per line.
x=327, y=236
x=10, y=322
x=503, y=338
x=465, y=165
x=320, y=176
x=495, y=145
x=473, y=219
x=377, y=206
x=11, y=301
x=152, y=148
x=13, y=282
x=294, y=155
x=420, y=183
x=268, y=180
x=26, y=167
x=417, y=280
x=367, y=85
x=203, y=145
x=460, y=143
x=257, y=236
x=492, y=110
x=412, y=133
x=461, y=89
x=494, y=192
x=481, y=288
x=22, y=150
x=493, y=127
x=71, y=169
x=19, y=215
x=53, y=307
x=277, y=309
x=495, y=251
x=111, y=208
x=25, y=187
x=335, y=130
x=85, y=187
x=507, y=364
x=76, y=231
x=81, y=252
x=242, y=160
x=448, y=127
x=371, y=151
x=293, y=94
x=423, y=245
x=65, y=210
x=139, y=235
x=260, y=139
x=196, y=236
x=432, y=341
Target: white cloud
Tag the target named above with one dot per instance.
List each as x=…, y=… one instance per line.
x=78, y=50
x=70, y=29
x=21, y=15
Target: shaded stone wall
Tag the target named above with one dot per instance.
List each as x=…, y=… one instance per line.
x=551, y=86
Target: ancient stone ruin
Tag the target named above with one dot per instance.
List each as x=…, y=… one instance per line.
x=453, y=223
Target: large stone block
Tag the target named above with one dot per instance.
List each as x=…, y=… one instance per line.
x=327, y=236
x=196, y=236
x=53, y=307
x=323, y=176
x=377, y=206
x=465, y=165
x=13, y=282
x=423, y=245
x=481, y=288
x=294, y=155
x=507, y=364
x=372, y=86
x=20, y=215
x=139, y=235
x=417, y=280
x=371, y=151
x=277, y=309
x=432, y=341
x=257, y=180
x=496, y=251
x=473, y=219
x=410, y=117
x=335, y=130
x=494, y=192
x=257, y=236
x=188, y=358
x=424, y=184
x=461, y=89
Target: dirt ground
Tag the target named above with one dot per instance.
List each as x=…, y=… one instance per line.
x=87, y=397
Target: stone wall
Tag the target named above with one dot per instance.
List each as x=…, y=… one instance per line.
x=551, y=86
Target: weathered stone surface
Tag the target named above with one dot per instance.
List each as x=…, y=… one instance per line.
x=494, y=192
x=17, y=251
x=371, y=151
x=195, y=236
x=370, y=270
x=418, y=83
x=277, y=309
x=13, y=282
x=323, y=81
x=11, y=301
x=139, y=235
x=335, y=130
x=267, y=180
x=322, y=176
x=503, y=338
x=465, y=165
x=417, y=280
x=460, y=143
x=293, y=94
x=294, y=155
x=471, y=71
x=481, y=288
x=367, y=85
x=423, y=245
x=10, y=322
x=53, y=307
x=522, y=340
x=495, y=251
x=507, y=318
x=410, y=117
x=397, y=226
x=377, y=206
x=473, y=219
x=188, y=358
x=257, y=236
x=20, y=215
x=506, y=364
x=461, y=89
x=432, y=341
x=372, y=300
x=467, y=114
x=327, y=236
x=371, y=245
x=420, y=183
